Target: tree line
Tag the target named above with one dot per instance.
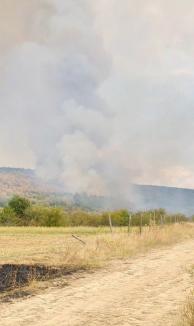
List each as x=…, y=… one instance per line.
x=19, y=211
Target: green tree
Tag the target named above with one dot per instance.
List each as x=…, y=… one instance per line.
x=19, y=205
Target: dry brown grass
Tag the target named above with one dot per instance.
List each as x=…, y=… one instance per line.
x=56, y=247
x=187, y=313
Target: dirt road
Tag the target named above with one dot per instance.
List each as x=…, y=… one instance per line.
x=147, y=290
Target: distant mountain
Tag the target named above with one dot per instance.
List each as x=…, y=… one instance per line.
x=22, y=182
x=172, y=199
x=25, y=182
x=28, y=172
x=144, y=197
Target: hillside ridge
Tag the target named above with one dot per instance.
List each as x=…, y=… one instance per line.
x=25, y=182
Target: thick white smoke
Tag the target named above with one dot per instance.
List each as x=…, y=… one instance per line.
x=52, y=71
x=98, y=94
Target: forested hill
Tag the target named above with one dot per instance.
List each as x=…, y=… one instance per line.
x=171, y=198
x=25, y=182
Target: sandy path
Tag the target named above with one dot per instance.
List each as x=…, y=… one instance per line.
x=147, y=290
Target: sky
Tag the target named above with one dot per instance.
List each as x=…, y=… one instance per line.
x=98, y=94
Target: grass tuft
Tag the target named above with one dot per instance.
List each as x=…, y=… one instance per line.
x=187, y=313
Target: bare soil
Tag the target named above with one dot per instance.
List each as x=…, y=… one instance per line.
x=147, y=290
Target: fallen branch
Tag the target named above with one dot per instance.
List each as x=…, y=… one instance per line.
x=75, y=237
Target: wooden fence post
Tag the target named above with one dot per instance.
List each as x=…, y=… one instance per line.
x=154, y=217
x=129, y=223
x=150, y=221
x=140, y=226
x=110, y=222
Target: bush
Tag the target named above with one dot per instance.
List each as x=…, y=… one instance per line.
x=19, y=205
x=8, y=217
x=46, y=216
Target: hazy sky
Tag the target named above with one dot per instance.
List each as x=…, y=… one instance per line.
x=98, y=93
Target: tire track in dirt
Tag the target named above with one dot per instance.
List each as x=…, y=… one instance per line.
x=147, y=290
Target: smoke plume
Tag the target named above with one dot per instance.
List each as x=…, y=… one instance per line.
x=98, y=95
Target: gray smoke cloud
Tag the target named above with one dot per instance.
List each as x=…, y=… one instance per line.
x=98, y=94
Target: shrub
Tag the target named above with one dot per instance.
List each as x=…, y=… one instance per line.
x=46, y=216
x=19, y=205
x=9, y=217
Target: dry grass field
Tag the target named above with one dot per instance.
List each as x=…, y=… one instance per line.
x=57, y=247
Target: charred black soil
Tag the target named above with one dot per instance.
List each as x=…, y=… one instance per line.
x=14, y=276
